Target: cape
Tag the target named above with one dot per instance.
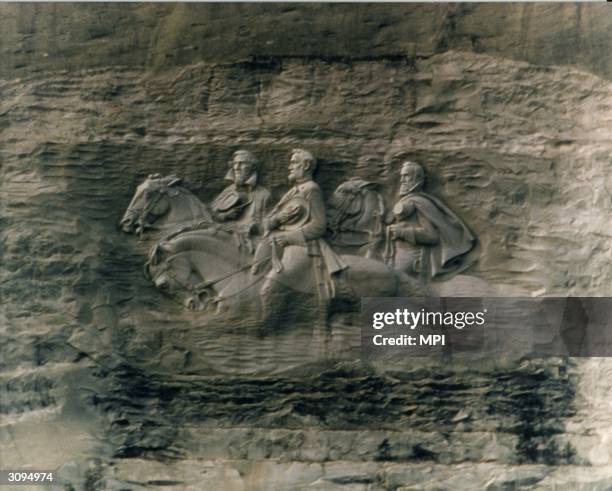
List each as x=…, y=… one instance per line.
x=456, y=239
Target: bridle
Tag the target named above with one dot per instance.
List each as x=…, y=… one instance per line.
x=147, y=208
x=142, y=213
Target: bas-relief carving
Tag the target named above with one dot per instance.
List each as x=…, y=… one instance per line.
x=244, y=203
x=425, y=238
x=161, y=204
x=245, y=257
x=356, y=217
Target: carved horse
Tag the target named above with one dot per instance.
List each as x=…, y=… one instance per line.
x=356, y=226
x=356, y=216
x=210, y=266
x=161, y=204
x=205, y=268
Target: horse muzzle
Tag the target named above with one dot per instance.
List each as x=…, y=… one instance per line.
x=162, y=282
x=127, y=224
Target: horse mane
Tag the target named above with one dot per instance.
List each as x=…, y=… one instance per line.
x=349, y=202
x=186, y=202
x=211, y=241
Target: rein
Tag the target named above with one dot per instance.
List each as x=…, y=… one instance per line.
x=197, y=288
x=209, y=283
x=145, y=211
x=243, y=289
x=389, y=254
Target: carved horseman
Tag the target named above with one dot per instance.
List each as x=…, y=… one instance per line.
x=243, y=204
x=294, y=245
x=425, y=239
x=205, y=266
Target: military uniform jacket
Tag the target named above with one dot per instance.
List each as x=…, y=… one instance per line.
x=443, y=236
x=301, y=214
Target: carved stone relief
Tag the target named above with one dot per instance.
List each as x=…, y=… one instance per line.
x=238, y=254
x=125, y=380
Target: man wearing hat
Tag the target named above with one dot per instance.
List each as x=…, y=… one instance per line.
x=425, y=239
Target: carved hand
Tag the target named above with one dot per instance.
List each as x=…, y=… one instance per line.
x=269, y=225
x=231, y=214
x=399, y=231
x=288, y=214
x=281, y=240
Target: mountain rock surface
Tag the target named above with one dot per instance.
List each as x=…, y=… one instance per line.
x=507, y=107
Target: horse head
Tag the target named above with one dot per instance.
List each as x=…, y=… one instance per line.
x=173, y=274
x=162, y=201
x=149, y=203
x=193, y=266
x=356, y=214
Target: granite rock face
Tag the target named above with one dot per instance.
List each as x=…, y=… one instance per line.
x=39, y=37
x=121, y=388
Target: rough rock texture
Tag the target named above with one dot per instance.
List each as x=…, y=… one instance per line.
x=123, y=389
x=38, y=37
